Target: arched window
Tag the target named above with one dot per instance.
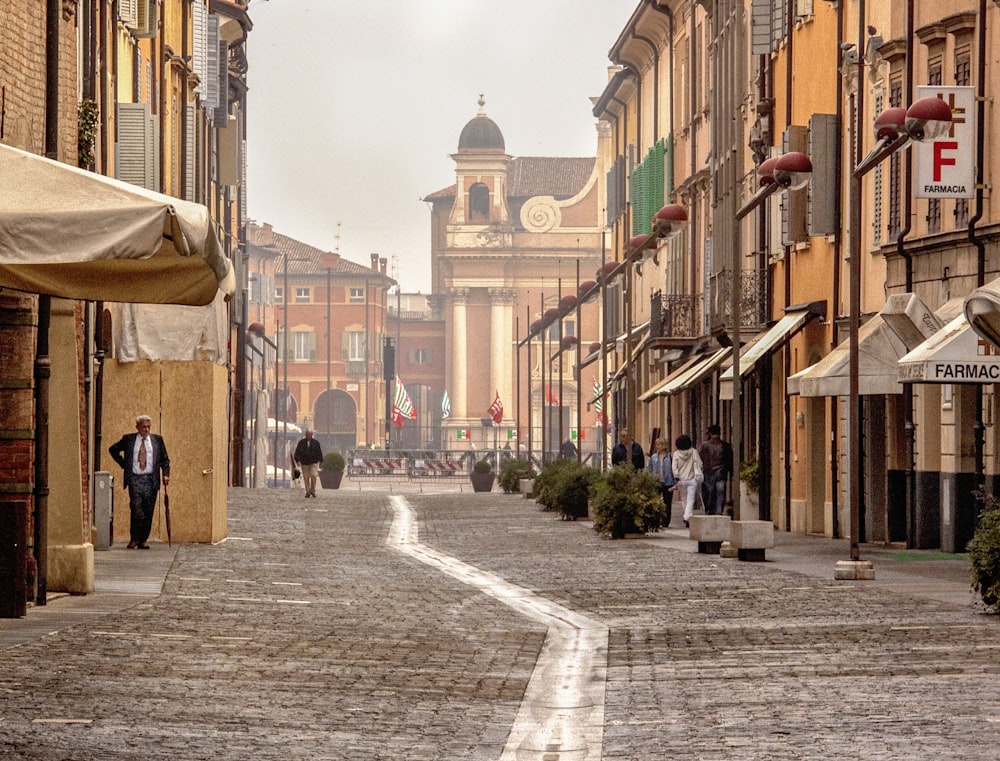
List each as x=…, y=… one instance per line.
x=479, y=204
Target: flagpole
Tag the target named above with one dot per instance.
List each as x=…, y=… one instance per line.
x=559, y=355
x=579, y=371
x=604, y=354
x=542, y=362
x=531, y=409
x=517, y=375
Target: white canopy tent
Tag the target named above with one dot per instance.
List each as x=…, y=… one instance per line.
x=74, y=234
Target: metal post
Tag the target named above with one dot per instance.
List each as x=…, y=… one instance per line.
x=284, y=401
x=579, y=371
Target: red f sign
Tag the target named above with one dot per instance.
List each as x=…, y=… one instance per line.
x=946, y=167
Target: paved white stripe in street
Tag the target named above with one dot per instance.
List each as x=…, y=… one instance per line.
x=562, y=714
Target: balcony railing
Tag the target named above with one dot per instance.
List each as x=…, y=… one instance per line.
x=675, y=316
x=753, y=300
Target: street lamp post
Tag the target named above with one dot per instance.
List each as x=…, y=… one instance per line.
x=790, y=171
x=926, y=119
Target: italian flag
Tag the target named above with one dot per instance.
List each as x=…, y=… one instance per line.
x=511, y=434
x=464, y=434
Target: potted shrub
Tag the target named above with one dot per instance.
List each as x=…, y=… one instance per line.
x=750, y=484
x=628, y=501
x=332, y=470
x=511, y=474
x=482, y=476
x=984, y=553
x=565, y=486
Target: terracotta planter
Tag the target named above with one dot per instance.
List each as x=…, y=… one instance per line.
x=330, y=479
x=482, y=481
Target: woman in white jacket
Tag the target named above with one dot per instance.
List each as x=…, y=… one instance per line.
x=689, y=473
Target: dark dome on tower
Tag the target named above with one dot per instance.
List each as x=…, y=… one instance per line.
x=481, y=133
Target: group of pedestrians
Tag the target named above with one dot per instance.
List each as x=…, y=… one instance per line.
x=686, y=471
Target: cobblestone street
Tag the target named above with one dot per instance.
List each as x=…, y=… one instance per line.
x=308, y=635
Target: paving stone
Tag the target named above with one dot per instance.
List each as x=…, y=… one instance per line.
x=304, y=636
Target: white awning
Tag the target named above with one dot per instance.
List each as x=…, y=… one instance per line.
x=955, y=354
x=75, y=234
x=904, y=322
x=879, y=349
x=696, y=373
x=794, y=320
x=657, y=388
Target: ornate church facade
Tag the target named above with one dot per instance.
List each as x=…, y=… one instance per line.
x=511, y=240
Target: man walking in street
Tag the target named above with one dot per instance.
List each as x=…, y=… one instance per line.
x=143, y=458
x=308, y=455
x=717, y=460
x=628, y=452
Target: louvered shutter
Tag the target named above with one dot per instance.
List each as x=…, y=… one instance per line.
x=222, y=107
x=199, y=45
x=145, y=26
x=210, y=93
x=760, y=27
x=190, y=148
x=128, y=12
x=135, y=152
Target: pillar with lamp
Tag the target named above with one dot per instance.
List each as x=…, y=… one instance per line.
x=925, y=119
x=790, y=171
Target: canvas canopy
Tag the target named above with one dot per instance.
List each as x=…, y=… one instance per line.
x=74, y=234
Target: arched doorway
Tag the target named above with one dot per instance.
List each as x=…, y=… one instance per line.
x=335, y=416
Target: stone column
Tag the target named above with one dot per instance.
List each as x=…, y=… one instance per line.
x=501, y=343
x=458, y=352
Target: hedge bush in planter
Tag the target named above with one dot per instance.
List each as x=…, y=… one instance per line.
x=565, y=486
x=512, y=472
x=628, y=501
x=984, y=553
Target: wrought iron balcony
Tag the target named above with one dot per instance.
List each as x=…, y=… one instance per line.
x=675, y=316
x=753, y=300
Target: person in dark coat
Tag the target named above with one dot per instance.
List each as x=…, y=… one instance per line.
x=308, y=455
x=627, y=452
x=144, y=461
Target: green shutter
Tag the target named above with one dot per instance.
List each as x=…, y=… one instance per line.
x=648, y=189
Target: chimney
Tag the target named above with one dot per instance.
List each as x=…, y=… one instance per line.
x=375, y=262
x=381, y=265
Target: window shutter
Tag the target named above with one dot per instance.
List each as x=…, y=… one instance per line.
x=822, y=151
x=128, y=12
x=760, y=27
x=145, y=27
x=135, y=152
x=779, y=22
x=795, y=202
x=190, y=148
x=222, y=106
x=199, y=47
x=210, y=92
x=228, y=142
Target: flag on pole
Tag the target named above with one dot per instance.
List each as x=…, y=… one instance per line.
x=551, y=397
x=402, y=407
x=445, y=406
x=599, y=402
x=496, y=409
x=464, y=434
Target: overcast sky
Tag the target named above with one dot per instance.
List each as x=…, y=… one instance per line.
x=355, y=107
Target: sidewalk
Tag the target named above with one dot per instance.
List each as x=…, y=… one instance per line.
x=125, y=578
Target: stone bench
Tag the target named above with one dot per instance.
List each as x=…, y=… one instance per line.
x=710, y=531
x=527, y=487
x=751, y=539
